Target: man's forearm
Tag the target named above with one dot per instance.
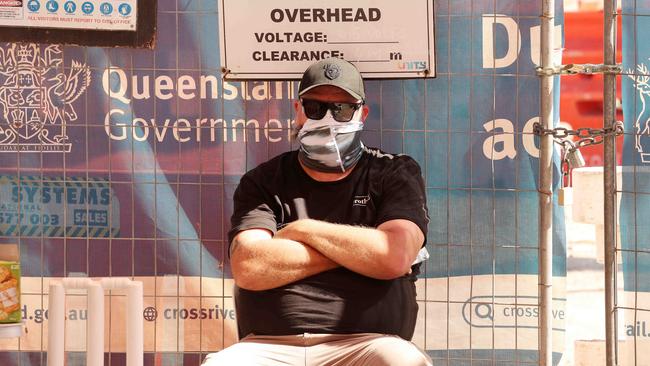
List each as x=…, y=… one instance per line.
x=381, y=254
x=271, y=263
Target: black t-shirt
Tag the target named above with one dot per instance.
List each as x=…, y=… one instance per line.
x=381, y=187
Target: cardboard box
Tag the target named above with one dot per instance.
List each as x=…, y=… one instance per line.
x=9, y=284
x=10, y=292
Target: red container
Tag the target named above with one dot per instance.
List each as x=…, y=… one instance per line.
x=581, y=98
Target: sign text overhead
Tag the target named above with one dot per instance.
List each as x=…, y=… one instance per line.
x=383, y=38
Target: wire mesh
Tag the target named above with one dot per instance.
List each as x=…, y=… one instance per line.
x=632, y=303
x=169, y=140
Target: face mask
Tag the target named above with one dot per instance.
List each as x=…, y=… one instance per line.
x=330, y=146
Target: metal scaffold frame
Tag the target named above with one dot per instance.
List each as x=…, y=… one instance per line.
x=546, y=188
x=547, y=72
x=609, y=181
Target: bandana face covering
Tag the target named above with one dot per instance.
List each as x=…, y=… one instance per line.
x=330, y=146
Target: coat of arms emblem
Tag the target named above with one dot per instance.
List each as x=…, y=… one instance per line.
x=36, y=96
x=642, y=123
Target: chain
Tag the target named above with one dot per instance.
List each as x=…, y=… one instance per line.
x=575, y=69
x=586, y=136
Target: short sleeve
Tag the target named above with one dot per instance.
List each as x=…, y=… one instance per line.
x=252, y=209
x=403, y=194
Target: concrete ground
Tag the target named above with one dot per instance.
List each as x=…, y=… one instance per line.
x=585, y=289
x=585, y=292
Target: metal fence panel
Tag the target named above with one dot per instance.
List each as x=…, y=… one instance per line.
x=633, y=302
x=157, y=168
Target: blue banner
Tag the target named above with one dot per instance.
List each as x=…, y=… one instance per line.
x=634, y=197
x=167, y=139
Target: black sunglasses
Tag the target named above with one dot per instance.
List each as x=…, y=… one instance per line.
x=342, y=112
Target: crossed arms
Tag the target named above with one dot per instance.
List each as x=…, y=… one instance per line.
x=261, y=261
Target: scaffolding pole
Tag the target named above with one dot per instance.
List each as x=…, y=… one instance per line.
x=546, y=188
x=609, y=181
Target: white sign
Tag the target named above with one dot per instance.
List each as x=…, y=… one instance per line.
x=120, y=15
x=263, y=39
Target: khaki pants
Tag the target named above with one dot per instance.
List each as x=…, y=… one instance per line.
x=321, y=349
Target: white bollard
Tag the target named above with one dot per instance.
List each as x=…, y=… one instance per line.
x=95, y=324
x=56, y=325
x=135, y=327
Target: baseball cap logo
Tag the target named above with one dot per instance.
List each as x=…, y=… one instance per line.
x=332, y=71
